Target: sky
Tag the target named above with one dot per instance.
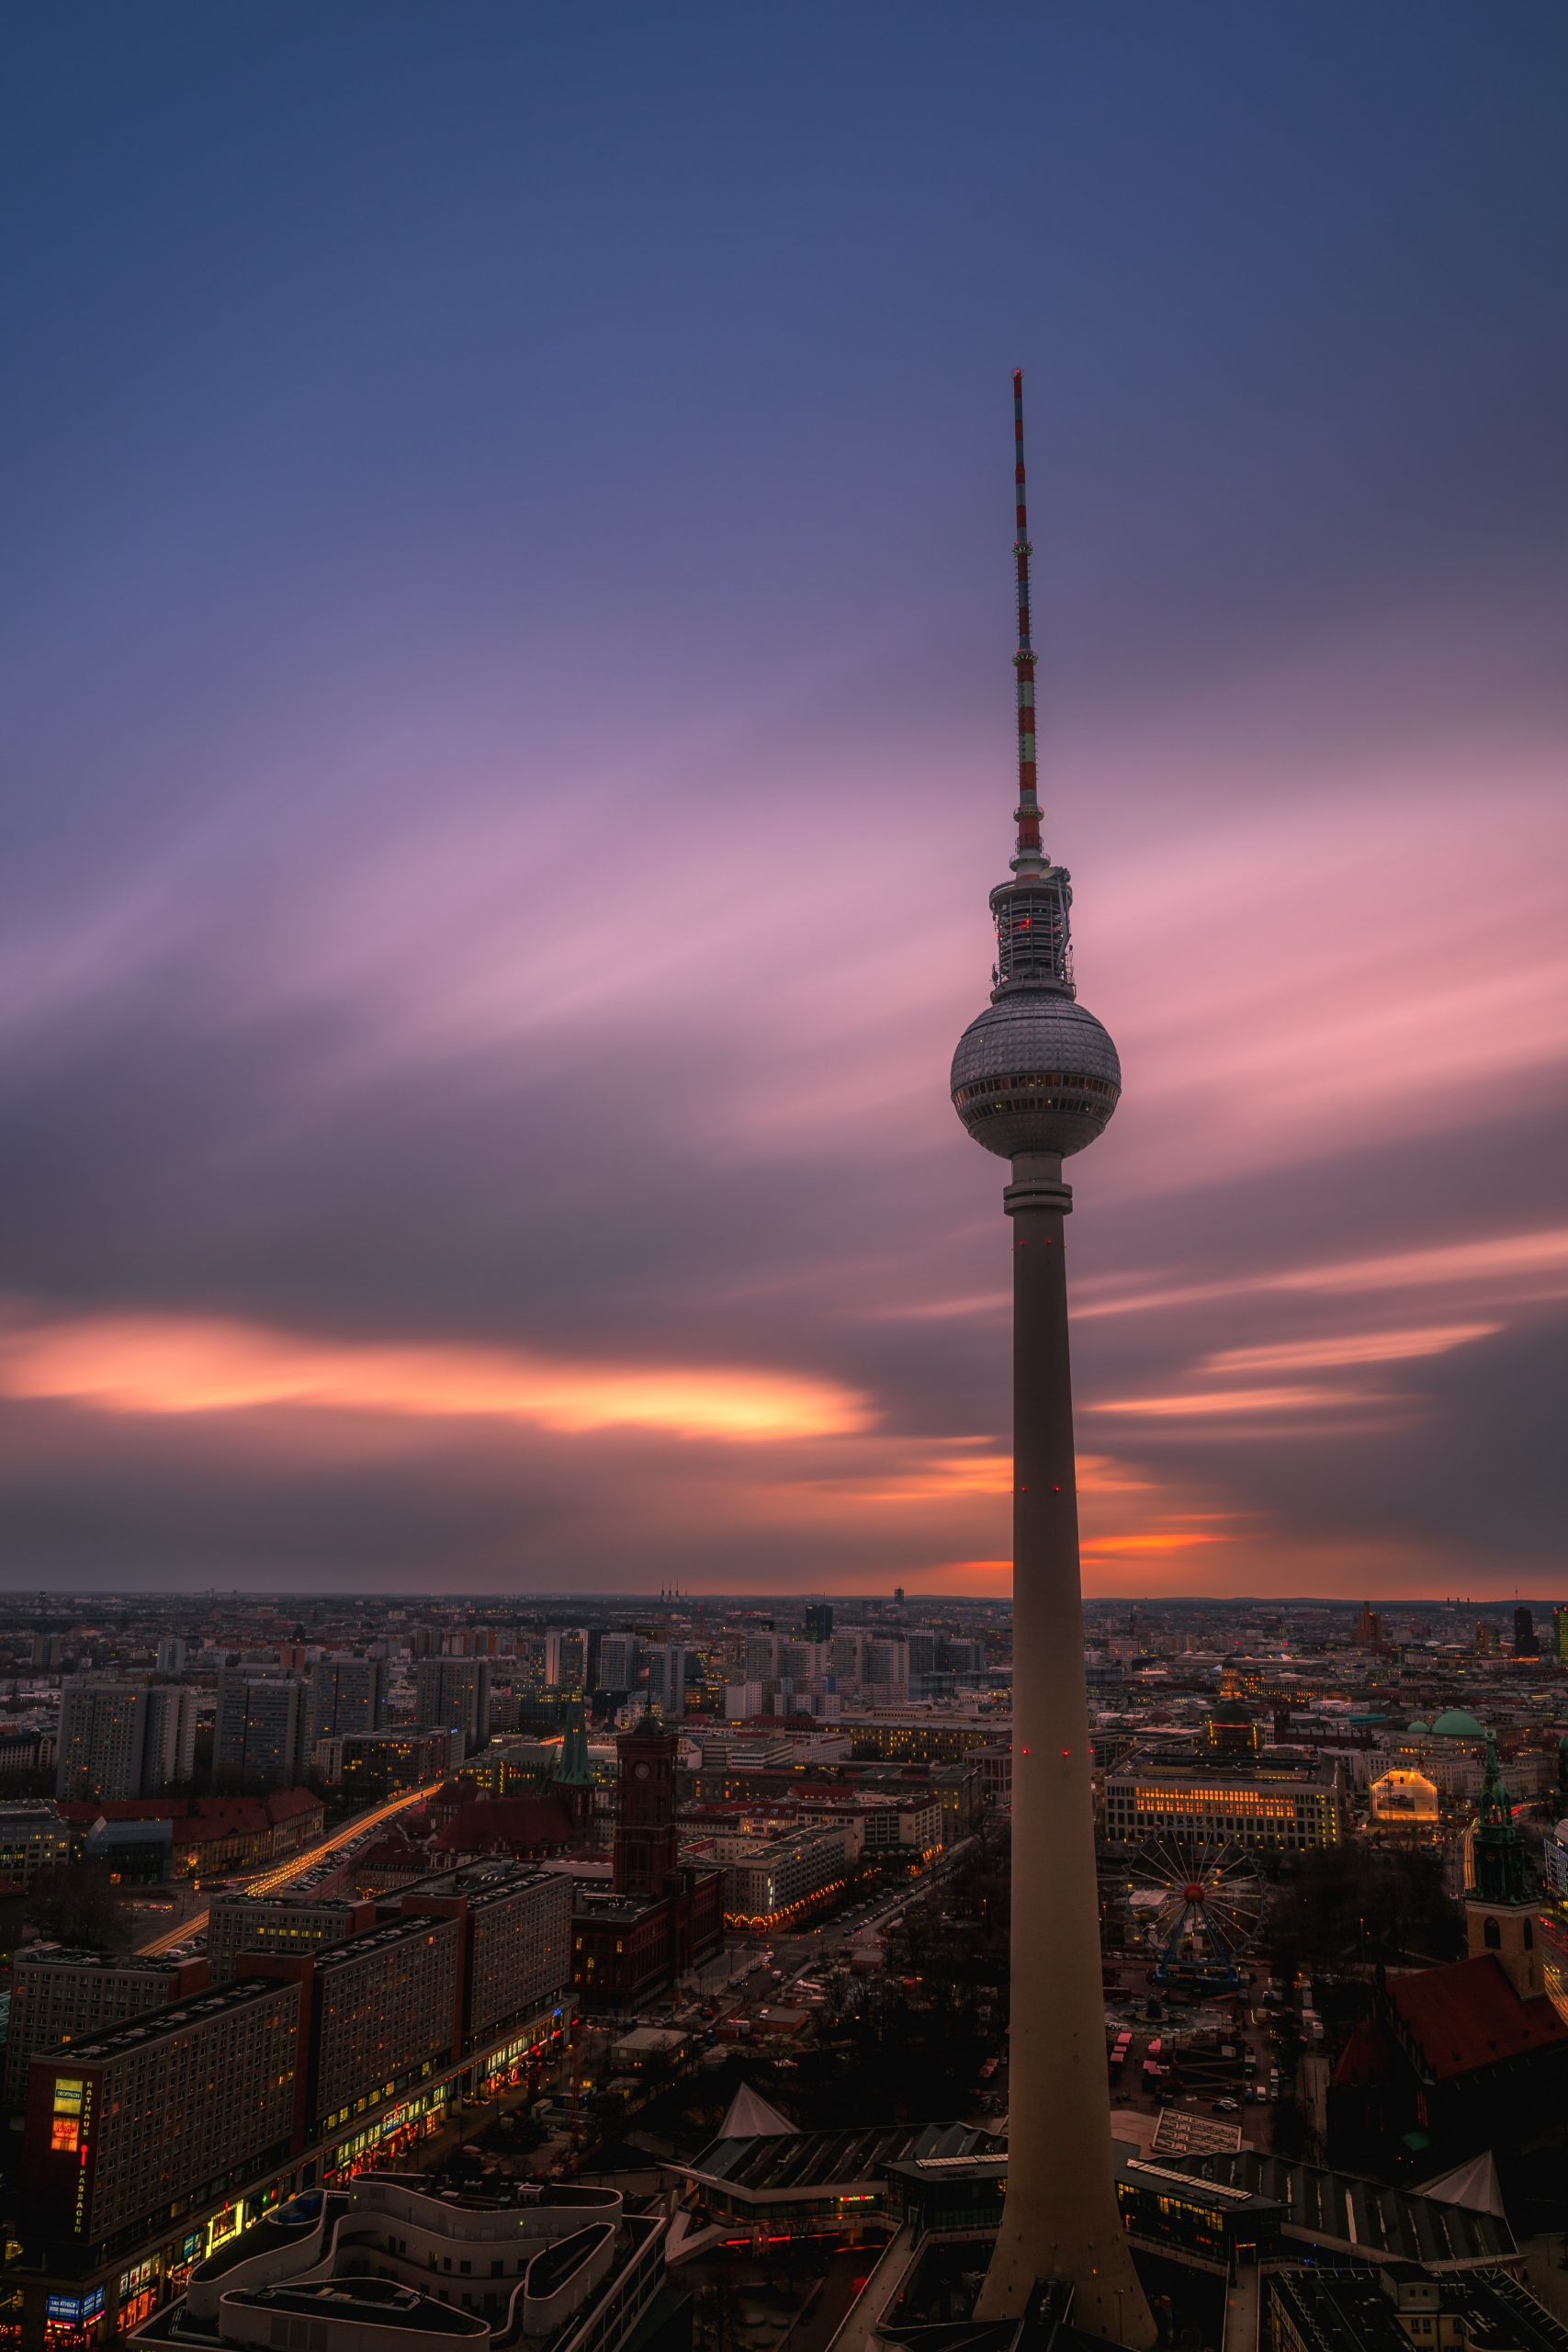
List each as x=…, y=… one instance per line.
x=508, y=727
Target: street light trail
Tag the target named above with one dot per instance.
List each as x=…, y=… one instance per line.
x=272, y=1882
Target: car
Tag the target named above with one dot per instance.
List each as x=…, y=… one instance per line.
x=1227, y=2106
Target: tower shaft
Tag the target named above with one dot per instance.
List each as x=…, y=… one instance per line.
x=1060, y=2218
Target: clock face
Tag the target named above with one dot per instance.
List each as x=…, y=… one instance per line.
x=640, y=1771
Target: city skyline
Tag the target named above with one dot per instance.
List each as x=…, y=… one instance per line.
x=511, y=645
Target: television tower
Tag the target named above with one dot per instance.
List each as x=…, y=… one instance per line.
x=1034, y=1079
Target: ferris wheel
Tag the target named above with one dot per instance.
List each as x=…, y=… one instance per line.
x=1198, y=1904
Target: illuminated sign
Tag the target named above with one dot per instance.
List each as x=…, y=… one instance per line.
x=225, y=2225
x=85, y=2092
x=75, y=2307
x=65, y=2124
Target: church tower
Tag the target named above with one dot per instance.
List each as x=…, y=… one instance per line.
x=573, y=1775
x=1501, y=1907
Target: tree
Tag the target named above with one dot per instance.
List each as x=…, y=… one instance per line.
x=77, y=1905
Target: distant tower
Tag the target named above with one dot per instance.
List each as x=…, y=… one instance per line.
x=1034, y=1079
x=1500, y=1909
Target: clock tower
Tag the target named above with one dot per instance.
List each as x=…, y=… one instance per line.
x=646, y=1838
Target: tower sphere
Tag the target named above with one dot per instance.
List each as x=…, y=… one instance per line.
x=1036, y=1073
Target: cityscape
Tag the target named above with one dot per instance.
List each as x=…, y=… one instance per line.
x=338, y=1928
x=612, y=1738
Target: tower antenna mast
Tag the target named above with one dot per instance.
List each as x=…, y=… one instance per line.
x=1030, y=857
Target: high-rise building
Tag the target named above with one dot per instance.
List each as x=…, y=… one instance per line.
x=453, y=1694
x=888, y=1665
x=345, y=1694
x=566, y=1659
x=258, y=1741
x=1525, y=1643
x=170, y=1655
x=849, y=1655
x=115, y=2131
x=102, y=1738
x=58, y=1996
x=1559, y=1636
x=169, y=1749
x=759, y=1656
x=818, y=1622
x=667, y=1680
x=1034, y=1079
x=620, y=1661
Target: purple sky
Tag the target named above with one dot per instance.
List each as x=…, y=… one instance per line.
x=509, y=726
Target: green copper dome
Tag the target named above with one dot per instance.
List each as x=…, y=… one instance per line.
x=1457, y=1723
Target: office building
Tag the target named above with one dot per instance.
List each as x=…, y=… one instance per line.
x=453, y=1694
x=516, y=1923
x=152, y=2144
x=170, y=1655
x=1036, y=1077
x=819, y=1626
x=133, y=1853
x=385, y=2011
x=1525, y=1643
x=258, y=1739
x=180, y=2104
x=1286, y=1808
x=57, y=1995
x=258, y=1925
x=34, y=1838
x=379, y=1763
x=773, y=1879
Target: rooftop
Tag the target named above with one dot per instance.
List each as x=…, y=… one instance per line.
x=373, y=2302
x=1341, y=2208
x=376, y=1941
x=159, y=2025
x=1468, y=2015
x=1351, y=2311
x=808, y=2160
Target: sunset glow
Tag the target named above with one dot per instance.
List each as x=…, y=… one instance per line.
x=504, y=786
x=152, y=1367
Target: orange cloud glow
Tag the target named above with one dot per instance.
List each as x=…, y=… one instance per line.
x=1205, y=1402
x=1354, y=1346
x=1109, y=1547
x=148, y=1364
x=1499, y=1266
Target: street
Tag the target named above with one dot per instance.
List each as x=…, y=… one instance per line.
x=269, y=1881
